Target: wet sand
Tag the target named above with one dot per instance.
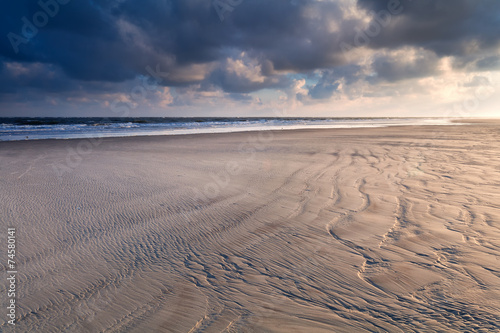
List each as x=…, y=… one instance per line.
x=345, y=230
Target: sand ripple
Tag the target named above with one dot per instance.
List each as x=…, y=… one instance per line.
x=337, y=230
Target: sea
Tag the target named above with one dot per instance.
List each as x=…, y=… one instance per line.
x=15, y=129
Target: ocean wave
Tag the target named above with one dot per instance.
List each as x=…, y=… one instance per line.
x=66, y=128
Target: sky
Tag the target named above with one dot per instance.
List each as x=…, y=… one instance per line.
x=325, y=58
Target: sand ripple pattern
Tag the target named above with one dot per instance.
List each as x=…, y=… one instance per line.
x=373, y=230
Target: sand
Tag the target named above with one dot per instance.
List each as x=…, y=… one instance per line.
x=344, y=230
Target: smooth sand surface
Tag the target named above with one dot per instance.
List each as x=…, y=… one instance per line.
x=345, y=230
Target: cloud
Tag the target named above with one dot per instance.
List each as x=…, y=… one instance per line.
x=447, y=27
x=477, y=81
x=101, y=47
x=404, y=64
x=488, y=63
x=243, y=75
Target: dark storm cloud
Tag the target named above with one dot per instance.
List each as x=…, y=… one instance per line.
x=113, y=41
x=33, y=76
x=447, y=27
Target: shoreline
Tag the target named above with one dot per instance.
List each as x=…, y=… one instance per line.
x=452, y=122
x=215, y=128
x=274, y=131
x=207, y=135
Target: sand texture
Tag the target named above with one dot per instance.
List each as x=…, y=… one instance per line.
x=347, y=230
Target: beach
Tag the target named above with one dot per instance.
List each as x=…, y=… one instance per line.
x=393, y=229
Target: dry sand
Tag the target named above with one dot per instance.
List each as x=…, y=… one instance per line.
x=346, y=230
